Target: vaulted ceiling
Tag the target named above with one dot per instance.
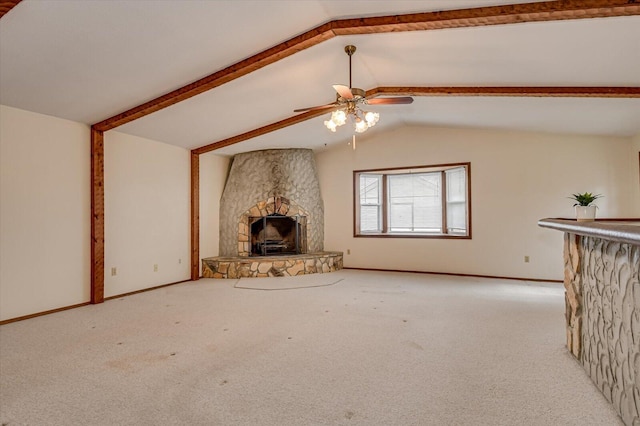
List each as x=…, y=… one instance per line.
x=89, y=61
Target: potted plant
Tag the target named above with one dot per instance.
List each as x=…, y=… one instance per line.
x=585, y=211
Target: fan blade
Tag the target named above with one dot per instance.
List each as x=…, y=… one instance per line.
x=343, y=91
x=390, y=101
x=316, y=108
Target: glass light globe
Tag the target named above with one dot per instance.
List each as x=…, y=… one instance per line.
x=361, y=125
x=339, y=117
x=371, y=118
x=330, y=125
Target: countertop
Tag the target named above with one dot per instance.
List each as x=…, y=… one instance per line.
x=626, y=231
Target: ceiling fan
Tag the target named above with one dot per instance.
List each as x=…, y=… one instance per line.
x=348, y=103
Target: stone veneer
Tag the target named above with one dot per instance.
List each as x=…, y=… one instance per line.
x=610, y=272
x=261, y=181
x=602, y=294
x=573, y=293
x=271, y=266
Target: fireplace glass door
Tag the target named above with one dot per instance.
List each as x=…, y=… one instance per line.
x=277, y=234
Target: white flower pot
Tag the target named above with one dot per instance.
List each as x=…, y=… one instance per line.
x=586, y=213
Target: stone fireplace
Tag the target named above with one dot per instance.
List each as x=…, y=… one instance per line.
x=285, y=222
x=270, y=182
x=272, y=218
x=277, y=234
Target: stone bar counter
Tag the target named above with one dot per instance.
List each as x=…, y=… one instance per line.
x=602, y=295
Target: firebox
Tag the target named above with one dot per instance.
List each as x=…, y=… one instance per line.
x=276, y=234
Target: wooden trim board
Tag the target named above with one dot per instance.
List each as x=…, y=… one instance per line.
x=523, y=91
x=195, y=216
x=517, y=91
x=97, y=216
x=260, y=131
x=144, y=290
x=455, y=274
x=65, y=308
x=39, y=314
x=7, y=5
x=461, y=18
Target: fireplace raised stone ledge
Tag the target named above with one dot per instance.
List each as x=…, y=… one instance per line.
x=271, y=266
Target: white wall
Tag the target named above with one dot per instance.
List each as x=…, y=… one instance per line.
x=44, y=213
x=45, y=203
x=213, y=174
x=147, y=213
x=516, y=179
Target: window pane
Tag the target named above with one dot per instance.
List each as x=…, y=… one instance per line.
x=415, y=202
x=456, y=217
x=369, y=218
x=370, y=202
x=456, y=197
x=401, y=218
x=456, y=184
x=370, y=189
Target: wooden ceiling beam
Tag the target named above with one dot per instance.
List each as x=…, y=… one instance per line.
x=7, y=5
x=527, y=91
x=237, y=70
x=259, y=131
x=495, y=15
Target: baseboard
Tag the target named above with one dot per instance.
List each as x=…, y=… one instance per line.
x=456, y=275
x=144, y=290
x=65, y=308
x=53, y=311
x=39, y=314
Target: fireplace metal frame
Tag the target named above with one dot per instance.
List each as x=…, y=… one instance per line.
x=267, y=247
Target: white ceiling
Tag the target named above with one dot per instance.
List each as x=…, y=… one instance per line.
x=89, y=60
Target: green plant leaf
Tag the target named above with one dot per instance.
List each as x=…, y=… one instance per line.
x=584, y=199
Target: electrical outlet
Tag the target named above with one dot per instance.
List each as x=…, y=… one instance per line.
x=179, y=261
x=113, y=272
x=348, y=251
x=155, y=268
x=526, y=259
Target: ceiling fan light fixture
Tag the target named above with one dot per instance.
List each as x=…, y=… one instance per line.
x=331, y=125
x=371, y=118
x=347, y=104
x=339, y=117
x=360, y=125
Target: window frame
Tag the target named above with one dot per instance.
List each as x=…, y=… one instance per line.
x=385, y=172
x=381, y=200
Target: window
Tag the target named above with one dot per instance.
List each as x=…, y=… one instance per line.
x=425, y=201
x=371, y=203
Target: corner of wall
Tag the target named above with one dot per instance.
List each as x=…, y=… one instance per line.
x=213, y=175
x=147, y=213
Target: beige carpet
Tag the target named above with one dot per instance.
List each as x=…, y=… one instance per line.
x=288, y=283
x=374, y=349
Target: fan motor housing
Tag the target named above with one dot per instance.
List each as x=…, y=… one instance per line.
x=358, y=95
